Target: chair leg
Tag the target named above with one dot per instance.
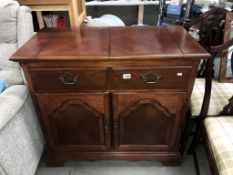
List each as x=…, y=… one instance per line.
x=196, y=139
x=186, y=135
x=193, y=147
x=196, y=165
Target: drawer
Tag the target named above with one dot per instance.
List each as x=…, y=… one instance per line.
x=68, y=80
x=176, y=78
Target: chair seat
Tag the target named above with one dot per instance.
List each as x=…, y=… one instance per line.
x=220, y=135
x=220, y=95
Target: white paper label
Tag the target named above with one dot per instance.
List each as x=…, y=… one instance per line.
x=179, y=74
x=126, y=76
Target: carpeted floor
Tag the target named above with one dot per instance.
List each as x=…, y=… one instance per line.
x=127, y=167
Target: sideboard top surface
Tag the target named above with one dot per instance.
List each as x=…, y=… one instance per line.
x=89, y=43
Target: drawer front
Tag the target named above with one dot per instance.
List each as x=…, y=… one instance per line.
x=176, y=78
x=67, y=80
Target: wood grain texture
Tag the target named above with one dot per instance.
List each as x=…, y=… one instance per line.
x=169, y=77
x=141, y=126
x=74, y=44
x=114, y=43
x=67, y=44
x=186, y=43
x=65, y=117
x=44, y=80
x=170, y=103
x=90, y=112
x=76, y=123
x=32, y=48
x=142, y=42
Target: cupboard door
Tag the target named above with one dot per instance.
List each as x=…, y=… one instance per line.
x=77, y=122
x=147, y=121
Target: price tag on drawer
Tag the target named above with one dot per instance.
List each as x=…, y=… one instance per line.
x=126, y=76
x=179, y=74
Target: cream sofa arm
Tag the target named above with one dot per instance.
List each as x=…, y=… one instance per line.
x=25, y=28
x=11, y=100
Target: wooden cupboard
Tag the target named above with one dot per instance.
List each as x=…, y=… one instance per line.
x=111, y=93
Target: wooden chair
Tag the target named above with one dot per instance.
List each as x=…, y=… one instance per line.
x=210, y=28
x=217, y=131
x=209, y=97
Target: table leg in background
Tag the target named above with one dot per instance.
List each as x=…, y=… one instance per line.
x=40, y=19
x=140, y=14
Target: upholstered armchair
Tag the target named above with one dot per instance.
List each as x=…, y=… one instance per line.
x=21, y=139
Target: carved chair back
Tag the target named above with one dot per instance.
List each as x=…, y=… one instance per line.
x=214, y=50
x=210, y=28
x=222, y=50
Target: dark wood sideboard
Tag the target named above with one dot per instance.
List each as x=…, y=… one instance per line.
x=111, y=93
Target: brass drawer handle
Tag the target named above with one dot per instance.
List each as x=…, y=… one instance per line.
x=151, y=78
x=68, y=78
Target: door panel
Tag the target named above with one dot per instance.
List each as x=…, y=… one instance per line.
x=146, y=121
x=152, y=112
x=79, y=121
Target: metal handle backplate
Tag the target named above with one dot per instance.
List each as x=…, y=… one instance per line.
x=69, y=78
x=151, y=78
